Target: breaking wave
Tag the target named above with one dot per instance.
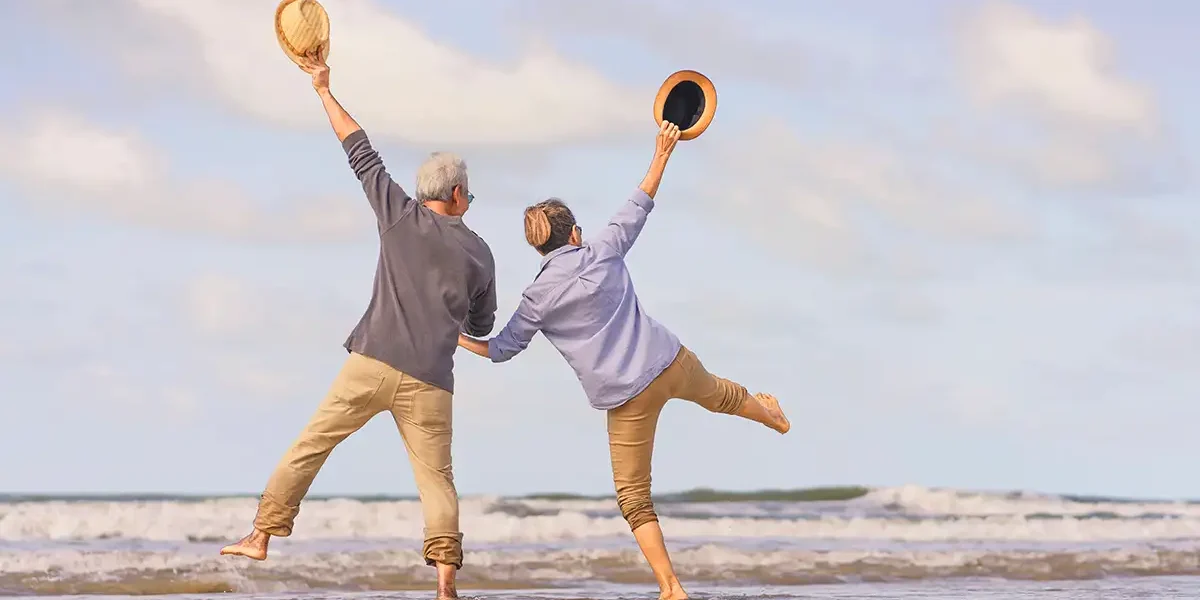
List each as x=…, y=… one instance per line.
x=895, y=514
x=159, y=545
x=83, y=571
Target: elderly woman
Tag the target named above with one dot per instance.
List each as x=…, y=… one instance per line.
x=629, y=365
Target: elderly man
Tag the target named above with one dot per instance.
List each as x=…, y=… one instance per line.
x=435, y=279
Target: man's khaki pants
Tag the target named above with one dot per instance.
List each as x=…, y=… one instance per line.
x=364, y=388
x=632, y=425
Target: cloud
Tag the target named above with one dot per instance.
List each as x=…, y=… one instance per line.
x=130, y=393
x=395, y=78
x=1050, y=113
x=1075, y=121
x=220, y=305
x=260, y=340
x=1012, y=55
x=819, y=199
x=225, y=308
x=723, y=44
x=1047, y=118
x=60, y=149
x=1164, y=347
x=66, y=162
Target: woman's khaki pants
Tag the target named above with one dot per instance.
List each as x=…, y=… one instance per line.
x=631, y=427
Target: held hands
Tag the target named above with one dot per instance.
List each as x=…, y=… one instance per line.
x=479, y=347
x=668, y=136
x=315, y=66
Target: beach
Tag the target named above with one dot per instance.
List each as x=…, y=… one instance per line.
x=906, y=542
x=1157, y=588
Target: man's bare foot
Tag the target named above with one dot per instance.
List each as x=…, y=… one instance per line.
x=446, y=590
x=780, y=422
x=253, y=546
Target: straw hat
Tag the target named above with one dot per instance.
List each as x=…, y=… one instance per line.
x=687, y=99
x=302, y=26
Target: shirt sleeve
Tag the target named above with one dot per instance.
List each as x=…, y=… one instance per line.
x=482, y=315
x=387, y=198
x=625, y=226
x=517, y=334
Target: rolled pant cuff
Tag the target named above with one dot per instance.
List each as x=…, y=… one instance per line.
x=735, y=406
x=637, y=520
x=444, y=549
x=274, y=518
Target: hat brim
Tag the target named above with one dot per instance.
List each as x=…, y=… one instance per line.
x=700, y=120
x=292, y=53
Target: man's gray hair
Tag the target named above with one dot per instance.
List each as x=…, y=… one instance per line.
x=437, y=176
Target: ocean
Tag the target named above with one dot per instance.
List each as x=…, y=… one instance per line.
x=904, y=542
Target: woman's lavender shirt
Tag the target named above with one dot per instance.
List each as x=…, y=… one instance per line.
x=583, y=301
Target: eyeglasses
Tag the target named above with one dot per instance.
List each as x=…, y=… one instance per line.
x=470, y=198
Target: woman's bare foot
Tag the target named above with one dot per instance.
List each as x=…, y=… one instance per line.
x=253, y=546
x=675, y=592
x=779, y=421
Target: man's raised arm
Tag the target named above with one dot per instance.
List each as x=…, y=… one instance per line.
x=626, y=225
x=387, y=198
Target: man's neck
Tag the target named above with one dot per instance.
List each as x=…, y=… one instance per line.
x=439, y=207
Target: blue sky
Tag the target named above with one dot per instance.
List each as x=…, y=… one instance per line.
x=958, y=239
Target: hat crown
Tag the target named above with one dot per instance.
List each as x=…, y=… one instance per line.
x=687, y=99
x=302, y=27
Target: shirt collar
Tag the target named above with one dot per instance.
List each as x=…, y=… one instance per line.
x=558, y=252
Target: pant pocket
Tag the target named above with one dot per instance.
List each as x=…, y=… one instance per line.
x=358, y=381
x=433, y=410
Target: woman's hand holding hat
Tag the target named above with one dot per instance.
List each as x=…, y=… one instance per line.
x=668, y=136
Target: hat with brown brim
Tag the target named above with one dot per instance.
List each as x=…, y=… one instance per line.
x=302, y=28
x=687, y=99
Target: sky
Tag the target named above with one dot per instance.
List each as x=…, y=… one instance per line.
x=959, y=240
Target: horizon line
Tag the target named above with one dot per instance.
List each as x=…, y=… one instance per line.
x=698, y=494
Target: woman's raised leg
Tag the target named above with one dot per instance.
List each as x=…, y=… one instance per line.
x=721, y=395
